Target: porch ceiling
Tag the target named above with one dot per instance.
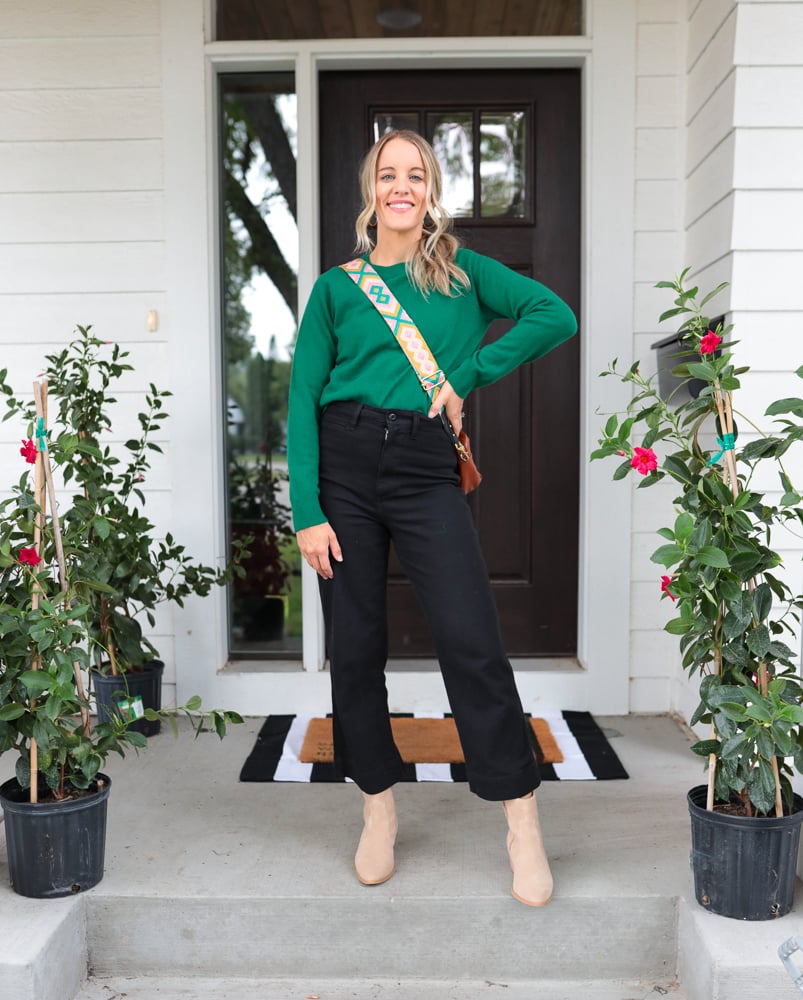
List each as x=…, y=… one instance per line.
x=285, y=19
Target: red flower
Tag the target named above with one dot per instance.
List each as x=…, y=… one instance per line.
x=665, y=582
x=644, y=460
x=29, y=556
x=709, y=343
x=28, y=451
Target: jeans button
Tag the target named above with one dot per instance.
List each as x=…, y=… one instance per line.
x=391, y=416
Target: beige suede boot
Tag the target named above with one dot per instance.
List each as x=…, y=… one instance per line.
x=374, y=859
x=532, y=879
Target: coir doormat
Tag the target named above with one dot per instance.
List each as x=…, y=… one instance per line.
x=569, y=746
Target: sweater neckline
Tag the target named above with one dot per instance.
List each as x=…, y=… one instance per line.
x=384, y=267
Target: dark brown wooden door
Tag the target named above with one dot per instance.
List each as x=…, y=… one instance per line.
x=510, y=142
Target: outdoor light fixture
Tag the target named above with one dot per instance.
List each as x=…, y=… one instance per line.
x=398, y=18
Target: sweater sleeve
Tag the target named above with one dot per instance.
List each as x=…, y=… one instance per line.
x=543, y=321
x=313, y=360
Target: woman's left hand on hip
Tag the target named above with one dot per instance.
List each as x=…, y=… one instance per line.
x=448, y=400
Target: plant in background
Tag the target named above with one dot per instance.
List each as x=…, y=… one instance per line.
x=122, y=571
x=734, y=611
x=260, y=521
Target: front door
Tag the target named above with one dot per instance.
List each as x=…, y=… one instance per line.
x=509, y=144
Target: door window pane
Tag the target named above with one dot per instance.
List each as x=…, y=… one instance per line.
x=452, y=139
x=503, y=164
x=389, y=121
x=259, y=254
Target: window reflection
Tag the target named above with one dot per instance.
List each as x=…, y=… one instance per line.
x=259, y=293
x=389, y=121
x=453, y=143
x=502, y=164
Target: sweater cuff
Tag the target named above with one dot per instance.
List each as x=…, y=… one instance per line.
x=464, y=378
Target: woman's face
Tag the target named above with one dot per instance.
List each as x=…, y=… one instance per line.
x=401, y=187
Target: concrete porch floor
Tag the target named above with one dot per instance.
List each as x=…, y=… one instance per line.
x=217, y=888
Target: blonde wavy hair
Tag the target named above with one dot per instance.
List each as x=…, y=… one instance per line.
x=432, y=266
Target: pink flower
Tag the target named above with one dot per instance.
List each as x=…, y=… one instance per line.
x=709, y=343
x=665, y=582
x=619, y=451
x=29, y=556
x=28, y=451
x=644, y=460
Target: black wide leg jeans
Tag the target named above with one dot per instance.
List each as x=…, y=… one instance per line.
x=391, y=475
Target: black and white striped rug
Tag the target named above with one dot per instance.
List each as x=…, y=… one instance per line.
x=587, y=754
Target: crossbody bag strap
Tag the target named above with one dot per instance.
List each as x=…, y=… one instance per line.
x=406, y=333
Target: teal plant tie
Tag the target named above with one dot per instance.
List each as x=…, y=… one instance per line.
x=41, y=434
x=726, y=443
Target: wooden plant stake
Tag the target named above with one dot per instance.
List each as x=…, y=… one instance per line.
x=41, y=501
x=40, y=396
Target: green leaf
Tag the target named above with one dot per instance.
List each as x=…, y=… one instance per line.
x=762, y=601
x=758, y=641
x=193, y=703
x=37, y=681
x=709, y=555
x=684, y=526
x=678, y=626
x=611, y=425
x=705, y=747
x=759, y=712
x=677, y=469
x=789, y=405
x=622, y=470
x=101, y=527
x=10, y=712
x=667, y=555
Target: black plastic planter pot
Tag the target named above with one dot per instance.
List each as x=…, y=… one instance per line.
x=145, y=683
x=744, y=867
x=54, y=848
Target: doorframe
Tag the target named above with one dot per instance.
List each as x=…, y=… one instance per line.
x=599, y=678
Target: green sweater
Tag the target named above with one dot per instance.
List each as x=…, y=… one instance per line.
x=345, y=350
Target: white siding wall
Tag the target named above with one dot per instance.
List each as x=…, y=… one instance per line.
x=658, y=251
x=81, y=203
x=767, y=223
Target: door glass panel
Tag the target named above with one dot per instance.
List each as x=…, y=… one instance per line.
x=453, y=141
x=389, y=121
x=503, y=164
x=259, y=258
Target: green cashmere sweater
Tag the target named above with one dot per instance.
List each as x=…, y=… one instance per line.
x=345, y=351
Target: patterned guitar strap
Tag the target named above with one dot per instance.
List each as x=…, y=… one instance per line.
x=404, y=330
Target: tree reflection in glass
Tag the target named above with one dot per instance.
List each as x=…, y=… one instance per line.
x=503, y=164
x=453, y=143
x=260, y=303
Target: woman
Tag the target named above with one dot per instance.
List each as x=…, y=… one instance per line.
x=371, y=461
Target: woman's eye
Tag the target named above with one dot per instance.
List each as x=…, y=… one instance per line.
x=416, y=177
x=386, y=177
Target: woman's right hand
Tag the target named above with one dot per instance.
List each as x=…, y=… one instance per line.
x=315, y=544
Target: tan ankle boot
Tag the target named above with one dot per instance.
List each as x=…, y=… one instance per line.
x=374, y=859
x=532, y=879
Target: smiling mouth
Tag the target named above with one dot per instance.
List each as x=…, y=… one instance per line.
x=400, y=204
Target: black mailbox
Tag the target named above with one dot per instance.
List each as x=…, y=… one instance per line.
x=671, y=352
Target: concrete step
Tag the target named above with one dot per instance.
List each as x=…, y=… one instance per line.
x=463, y=937
x=375, y=989
x=724, y=959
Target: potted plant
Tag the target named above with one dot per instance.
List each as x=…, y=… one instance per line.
x=733, y=607
x=260, y=521
x=125, y=570
x=55, y=805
